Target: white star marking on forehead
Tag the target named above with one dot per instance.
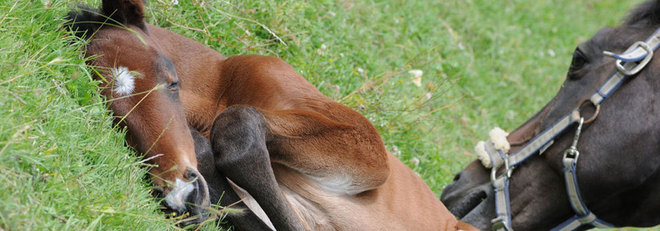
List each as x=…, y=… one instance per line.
x=124, y=81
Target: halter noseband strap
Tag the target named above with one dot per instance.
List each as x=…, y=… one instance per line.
x=492, y=155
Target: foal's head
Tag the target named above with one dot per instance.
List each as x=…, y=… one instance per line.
x=142, y=88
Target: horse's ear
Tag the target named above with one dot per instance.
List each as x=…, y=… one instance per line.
x=127, y=12
x=645, y=14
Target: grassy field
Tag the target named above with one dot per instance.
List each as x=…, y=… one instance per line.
x=483, y=63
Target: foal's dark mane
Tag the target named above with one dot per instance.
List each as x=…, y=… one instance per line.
x=84, y=21
x=646, y=14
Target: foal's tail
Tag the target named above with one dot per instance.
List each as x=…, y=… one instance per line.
x=85, y=21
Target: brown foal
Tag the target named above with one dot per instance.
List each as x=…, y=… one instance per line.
x=308, y=162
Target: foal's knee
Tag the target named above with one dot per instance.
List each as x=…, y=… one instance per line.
x=236, y=131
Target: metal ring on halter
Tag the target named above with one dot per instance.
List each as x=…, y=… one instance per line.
x=596, y=112
x=634, y=70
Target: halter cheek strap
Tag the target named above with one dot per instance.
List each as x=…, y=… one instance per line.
x=631, y=62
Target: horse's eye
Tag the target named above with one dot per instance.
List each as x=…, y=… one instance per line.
x=579, y=60
x=173, y=86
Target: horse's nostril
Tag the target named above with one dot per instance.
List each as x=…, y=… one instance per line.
x=458, y=176
x=158, y=193
x=482, y=195
x=191, y=175
x=199, y=194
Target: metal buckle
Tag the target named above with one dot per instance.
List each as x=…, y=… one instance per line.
x=635, y=69
x=499, y=223
x=507, y=170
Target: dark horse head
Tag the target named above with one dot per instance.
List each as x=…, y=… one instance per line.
x=619, y=166
x=142, y=88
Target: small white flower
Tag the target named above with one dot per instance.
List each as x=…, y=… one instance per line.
x=332, y=14
x=248, y=33
x=414, y=161
x=396, y=151
x=360, y=70
x=175, y=2
x=429, y=95
x=417, y=77
x=341, y=54
x=510, y=114
x=551, y=53
x=321, y=50
x=416, y=73
x=418, y=81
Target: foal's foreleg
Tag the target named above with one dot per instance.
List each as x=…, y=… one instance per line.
x=220, y=191
x=239, y=142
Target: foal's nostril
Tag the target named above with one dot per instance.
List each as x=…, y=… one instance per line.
x=158, y=193
x=190, y=174
x=199, y=196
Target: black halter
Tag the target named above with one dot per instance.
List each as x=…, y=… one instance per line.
x=628, y=64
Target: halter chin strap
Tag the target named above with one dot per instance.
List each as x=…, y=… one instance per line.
x=494, y=156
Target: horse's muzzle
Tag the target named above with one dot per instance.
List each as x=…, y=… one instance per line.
x=187, y=199
x=470, y=197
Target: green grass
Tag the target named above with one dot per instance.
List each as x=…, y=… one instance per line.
x=484, y=63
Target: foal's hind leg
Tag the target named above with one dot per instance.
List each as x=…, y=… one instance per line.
x=239, y=141
x=220, y=189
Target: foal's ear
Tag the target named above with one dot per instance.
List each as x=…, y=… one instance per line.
x=127, y=12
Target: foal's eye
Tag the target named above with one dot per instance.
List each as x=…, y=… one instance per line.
x=173, y=86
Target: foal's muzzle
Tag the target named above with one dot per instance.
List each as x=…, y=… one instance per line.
x=187, y=199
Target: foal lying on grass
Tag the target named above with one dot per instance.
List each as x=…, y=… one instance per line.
x=309, y=163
